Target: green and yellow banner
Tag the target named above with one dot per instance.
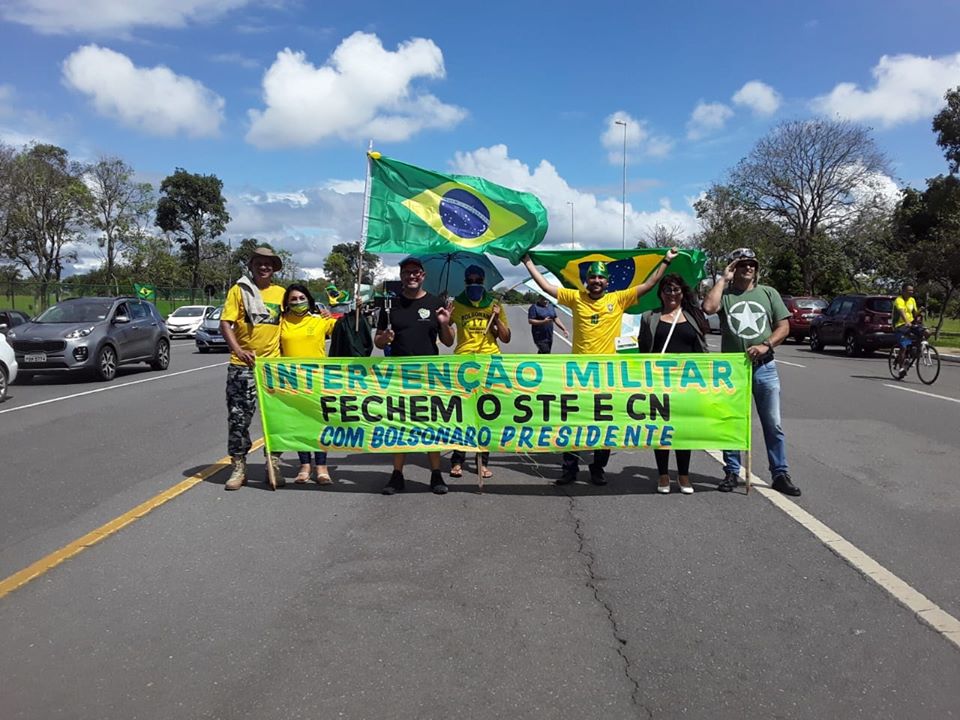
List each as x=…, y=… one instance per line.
x=506, y=403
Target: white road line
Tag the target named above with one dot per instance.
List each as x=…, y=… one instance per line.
x=111, y=387
x=921, y=392
x=784, y=362
x=921, y=606
x=568, y=342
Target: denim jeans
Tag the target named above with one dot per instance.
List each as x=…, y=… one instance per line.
x=319, y=458
x=766, y=396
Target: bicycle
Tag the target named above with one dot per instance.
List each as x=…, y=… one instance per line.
x=922, y=353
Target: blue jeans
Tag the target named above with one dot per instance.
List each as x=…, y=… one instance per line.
x=766, y=396
x=319, y=458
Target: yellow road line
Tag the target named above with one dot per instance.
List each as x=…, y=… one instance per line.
x=925, y=609
x=41, y=566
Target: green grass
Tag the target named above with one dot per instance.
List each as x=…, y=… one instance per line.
x=29, y=305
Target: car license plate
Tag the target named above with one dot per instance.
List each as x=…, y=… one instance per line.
x=35, y=357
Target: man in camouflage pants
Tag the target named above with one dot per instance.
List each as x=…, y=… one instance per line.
x=250, y=323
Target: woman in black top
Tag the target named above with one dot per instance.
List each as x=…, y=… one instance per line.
x=677, y=327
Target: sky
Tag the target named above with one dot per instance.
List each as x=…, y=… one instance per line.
x=279, y=98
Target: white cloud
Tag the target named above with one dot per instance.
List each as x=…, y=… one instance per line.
x=640, y=142
x=235, y=58
x=759, y=97
x=906, y=88
x=363, y=91
x=6, y=98
x=155, y=100
x=706, y=119
x=597, y=220
x=112, y=16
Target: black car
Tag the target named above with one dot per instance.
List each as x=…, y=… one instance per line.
x=12, y=318
x=93, y=334
x=860, y=323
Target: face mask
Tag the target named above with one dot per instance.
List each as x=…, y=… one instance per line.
x=474, y=292
x=299, y=308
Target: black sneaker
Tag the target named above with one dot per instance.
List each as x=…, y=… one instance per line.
x=783, y=483
x=567, y=478
x=729, y=482
x=395, y=484
x=597, y=476
x=437, y=484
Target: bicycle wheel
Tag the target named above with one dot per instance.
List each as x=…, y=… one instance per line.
x=896, y=372
x=928, y=365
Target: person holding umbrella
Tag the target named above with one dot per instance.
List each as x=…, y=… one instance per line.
x=480, y=325
x=411, y=328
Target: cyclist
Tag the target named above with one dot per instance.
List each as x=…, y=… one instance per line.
x=907, y=320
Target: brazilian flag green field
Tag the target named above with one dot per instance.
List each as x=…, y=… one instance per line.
x=417, y=211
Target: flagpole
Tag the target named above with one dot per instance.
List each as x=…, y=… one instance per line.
x=363, y=236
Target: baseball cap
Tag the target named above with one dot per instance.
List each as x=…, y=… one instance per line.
x=598, y=268
x=411, y=260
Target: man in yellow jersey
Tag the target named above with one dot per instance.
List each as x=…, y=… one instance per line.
x=480, y=323
x=905, y=311
x=250, y=323
x=597, y=317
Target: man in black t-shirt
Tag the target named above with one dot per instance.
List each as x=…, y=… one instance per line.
x=542, y=317
x=411, y=328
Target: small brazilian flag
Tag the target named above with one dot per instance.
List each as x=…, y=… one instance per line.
x=145, y=292
x=627, y=268
x=418, y=211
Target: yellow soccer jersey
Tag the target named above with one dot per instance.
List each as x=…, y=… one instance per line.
x=263, y=339
x=596, y=323
x=471, y=323
x=305, y=335
x=907, y=307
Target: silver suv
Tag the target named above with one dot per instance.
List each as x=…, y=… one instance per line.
x=91, y=334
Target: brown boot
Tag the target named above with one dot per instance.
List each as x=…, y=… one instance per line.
x=238, y=477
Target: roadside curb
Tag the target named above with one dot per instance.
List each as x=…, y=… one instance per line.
x=949, y=358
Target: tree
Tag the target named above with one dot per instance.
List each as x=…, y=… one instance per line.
x=927, y=224
x=119, y=208
x=946, y=124
x=192, y=208
x=46, y=205
x=343, y=265
x=661, y=236
x=812, y=178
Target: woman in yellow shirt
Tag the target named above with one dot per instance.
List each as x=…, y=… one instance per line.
x=303, y=333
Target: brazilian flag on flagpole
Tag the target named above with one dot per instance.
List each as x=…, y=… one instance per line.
x=412, y=210
x=627, y=268
x=145, y=292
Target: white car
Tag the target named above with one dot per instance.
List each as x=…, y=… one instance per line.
x=8, y=367
x=185, y=321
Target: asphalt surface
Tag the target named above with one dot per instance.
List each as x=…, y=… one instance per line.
x=526, y=601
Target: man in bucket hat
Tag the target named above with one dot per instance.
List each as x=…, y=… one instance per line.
x=250, y=323
x=597, y=318
x=754, y=320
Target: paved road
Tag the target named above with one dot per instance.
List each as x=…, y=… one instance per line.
x=525, y=601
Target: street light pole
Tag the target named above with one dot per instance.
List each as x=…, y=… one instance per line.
x=571, y=223
x=623, y=235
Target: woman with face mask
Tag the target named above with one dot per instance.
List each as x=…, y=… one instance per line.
x=303, y=333
x=481, y=324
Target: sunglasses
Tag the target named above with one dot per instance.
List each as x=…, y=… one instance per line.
x=742, y=254
x=418, y=271
x=671, y=290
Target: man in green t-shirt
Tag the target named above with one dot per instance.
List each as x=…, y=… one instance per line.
x=754, y=320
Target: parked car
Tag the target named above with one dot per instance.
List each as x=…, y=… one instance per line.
x=12, y=318
x=91, y=334
x=184, y=321
x=858, y=322
x=208, y=335
x=8, y=367
x=802, y=312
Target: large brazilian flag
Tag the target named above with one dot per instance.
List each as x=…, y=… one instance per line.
x=413, y=210
x=627, y=268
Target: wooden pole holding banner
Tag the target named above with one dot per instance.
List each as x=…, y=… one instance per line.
x=361, y=246
x=749, y=470
x=271, y=473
